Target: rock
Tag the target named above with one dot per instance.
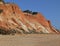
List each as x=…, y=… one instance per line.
x=12, y=17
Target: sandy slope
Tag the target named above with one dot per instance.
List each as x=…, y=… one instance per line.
x=30, y=40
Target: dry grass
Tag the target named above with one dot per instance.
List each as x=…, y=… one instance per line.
x=30, y=40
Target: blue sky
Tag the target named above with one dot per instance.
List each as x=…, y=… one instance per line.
x=49, y=8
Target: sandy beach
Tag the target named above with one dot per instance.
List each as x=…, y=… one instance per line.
x=30, y=40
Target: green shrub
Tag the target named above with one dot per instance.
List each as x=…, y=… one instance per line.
x=8, y=32
x=34, y=13
x=1, y=10
x=2, y=1
x=28, y=11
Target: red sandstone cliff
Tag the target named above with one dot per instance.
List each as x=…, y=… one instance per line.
x=12, y=18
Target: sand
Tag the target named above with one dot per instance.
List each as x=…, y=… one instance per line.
x=30, y=40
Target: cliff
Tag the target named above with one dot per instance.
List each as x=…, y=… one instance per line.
x=13, y=19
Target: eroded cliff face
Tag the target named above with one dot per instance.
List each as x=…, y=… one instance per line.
x=13, y=19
